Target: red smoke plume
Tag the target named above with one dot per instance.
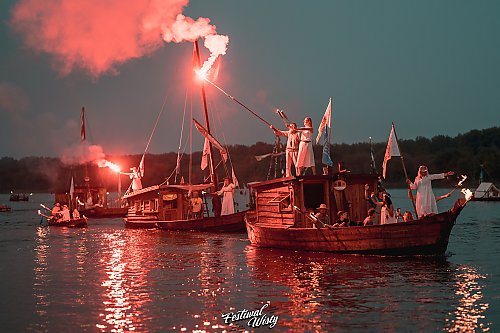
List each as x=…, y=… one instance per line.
x=97, y=35
x=83, y=153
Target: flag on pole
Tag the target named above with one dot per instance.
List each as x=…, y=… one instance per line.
x=373, y=166
x=72, y=189
x=326, y=159
x=325, y=122
x=141, y=166
x=204, y=157
x=391, y=150
x=212, y=140
x=82, y=130
x=235, y=180
x=324, y=131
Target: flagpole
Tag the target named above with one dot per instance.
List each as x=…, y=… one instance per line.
x=404, y=169
x=213, y=176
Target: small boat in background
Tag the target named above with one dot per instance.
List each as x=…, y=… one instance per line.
x=486, y=191
x=4, y=208
x=19, y=196
x=91, y=199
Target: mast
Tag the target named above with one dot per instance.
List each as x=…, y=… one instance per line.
x=86, y=178
x=213, y=176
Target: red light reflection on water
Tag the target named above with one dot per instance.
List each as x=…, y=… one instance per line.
x=40, y=268
x=124, y=273
x=304, y=283
x=470, y=309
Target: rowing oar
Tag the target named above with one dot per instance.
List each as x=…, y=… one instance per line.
x=311, y=217
x=43, y=215
x=234, y=99
x=47, y=208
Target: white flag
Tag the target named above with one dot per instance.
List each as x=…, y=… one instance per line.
x=204, y=157
x=235, y=180
x=72, y=189
x=391, y=150
x=141, y=166
x=325, y=122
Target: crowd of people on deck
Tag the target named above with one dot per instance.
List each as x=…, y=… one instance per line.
x=382, y=209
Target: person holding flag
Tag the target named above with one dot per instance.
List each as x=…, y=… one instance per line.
x=324, y=131
x=305, y=156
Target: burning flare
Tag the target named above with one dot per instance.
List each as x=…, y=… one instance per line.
x=464, y=177
x=468, y=194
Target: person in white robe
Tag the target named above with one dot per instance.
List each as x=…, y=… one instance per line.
x=292, y=146
x=135, y=175
x=227, y=191
x=305, y=156
x=425, y=201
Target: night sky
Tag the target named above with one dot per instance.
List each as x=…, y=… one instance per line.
x=432, y=67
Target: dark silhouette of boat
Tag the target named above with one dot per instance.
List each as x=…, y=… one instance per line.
x=19, y=197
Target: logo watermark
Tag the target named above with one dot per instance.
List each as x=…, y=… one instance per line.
x=254, y=318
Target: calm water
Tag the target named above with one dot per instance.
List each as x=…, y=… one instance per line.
x=110, y=279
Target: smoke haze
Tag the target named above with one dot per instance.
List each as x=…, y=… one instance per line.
x=99, y=35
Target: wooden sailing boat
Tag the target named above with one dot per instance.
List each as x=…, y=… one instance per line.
x=280, y=219
x=166, y=206
x=277, y=220
x=90, y=199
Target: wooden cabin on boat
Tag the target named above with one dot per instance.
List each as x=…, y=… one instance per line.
x=167, y=207
x=275, y=199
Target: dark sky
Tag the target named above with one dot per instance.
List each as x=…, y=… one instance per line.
x=432, y=67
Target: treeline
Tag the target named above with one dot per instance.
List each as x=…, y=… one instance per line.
x=463, y=154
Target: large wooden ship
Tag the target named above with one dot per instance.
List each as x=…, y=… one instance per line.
x=166, y=206
x=89, y=198
x=278, y=221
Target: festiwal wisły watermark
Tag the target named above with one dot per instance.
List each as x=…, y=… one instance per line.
x=253, y=318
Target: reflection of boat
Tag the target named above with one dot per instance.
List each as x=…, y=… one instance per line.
x=4, y=208
x=277, y=221
x=74, y=223
x=19, y=197
x=167, y=206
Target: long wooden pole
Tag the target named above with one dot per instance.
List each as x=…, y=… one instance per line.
x=237, y=101
x=207, y=122
x=406, y=173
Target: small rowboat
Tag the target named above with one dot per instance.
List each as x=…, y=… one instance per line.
x=4, y=208
x=74, y=223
